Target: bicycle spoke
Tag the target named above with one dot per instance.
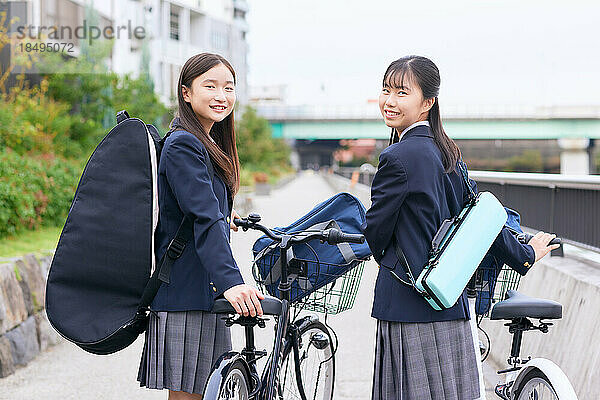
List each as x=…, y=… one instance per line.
x=316, y=367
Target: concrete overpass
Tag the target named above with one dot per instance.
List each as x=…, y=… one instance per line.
x=574, y=128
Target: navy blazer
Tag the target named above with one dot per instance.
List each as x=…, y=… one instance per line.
x=411, y=196
x=206, y=268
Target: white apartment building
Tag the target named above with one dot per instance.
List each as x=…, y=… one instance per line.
x=173, y=30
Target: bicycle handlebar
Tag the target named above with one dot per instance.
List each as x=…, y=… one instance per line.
x=524, y=237
x=331, y=235
x=336, y=236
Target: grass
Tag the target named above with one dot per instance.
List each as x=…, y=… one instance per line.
x=44, y=238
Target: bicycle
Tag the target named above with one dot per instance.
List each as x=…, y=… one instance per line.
x=308, y=341
x=534, y=379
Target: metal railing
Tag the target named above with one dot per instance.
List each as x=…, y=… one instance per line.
x=568, y=205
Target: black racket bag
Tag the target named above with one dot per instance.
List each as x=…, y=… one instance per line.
x=104, y=273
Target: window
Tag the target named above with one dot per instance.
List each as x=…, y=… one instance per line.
x=237, y=13
x=174, y=26
x=220, y=40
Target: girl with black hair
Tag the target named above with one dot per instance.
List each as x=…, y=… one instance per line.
x=422, y=353
x=184, y=339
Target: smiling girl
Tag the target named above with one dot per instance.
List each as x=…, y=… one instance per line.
x=183, y=339
x=422, y=353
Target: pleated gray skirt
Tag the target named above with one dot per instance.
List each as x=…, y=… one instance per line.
x=425, y=361
x=181, y=348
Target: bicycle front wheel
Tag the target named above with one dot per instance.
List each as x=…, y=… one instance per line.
x=317, y=365
x=235, y=384
x=535, y=386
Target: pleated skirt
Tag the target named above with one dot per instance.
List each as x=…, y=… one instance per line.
x=425, y=361
x=181, y=348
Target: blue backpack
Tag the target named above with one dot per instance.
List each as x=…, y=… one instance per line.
x=315, y=263
x=489, y=270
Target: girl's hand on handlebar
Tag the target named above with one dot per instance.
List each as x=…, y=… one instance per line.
x=540, y=244
x=245, y=299
x=233, y=226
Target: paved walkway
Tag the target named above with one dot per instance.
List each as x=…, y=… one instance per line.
x=66, y=372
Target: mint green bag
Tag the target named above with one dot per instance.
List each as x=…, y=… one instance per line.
x=457, y=249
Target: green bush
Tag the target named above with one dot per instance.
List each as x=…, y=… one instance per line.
x=257, y=149
x=31, y=122
x=35, y=191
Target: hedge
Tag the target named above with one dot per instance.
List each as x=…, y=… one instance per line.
x=35, y=191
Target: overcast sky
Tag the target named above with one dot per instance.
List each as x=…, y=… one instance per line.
x=488, y=52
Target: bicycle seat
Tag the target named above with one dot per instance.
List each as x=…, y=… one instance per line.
x=270, y=306
x=518, y=305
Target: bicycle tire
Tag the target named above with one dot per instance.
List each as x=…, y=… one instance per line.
x=535, y=385
x=318, y=371
x=235, y=383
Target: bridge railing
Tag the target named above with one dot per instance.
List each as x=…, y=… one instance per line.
x=568, y=205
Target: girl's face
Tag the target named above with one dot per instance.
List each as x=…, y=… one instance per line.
x=212, y=95
x=402, y=106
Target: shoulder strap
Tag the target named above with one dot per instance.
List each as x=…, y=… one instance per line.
x=404, y=264
x=163, y=270
x=462, y=167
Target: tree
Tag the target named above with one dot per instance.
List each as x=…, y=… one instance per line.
x=257, y=149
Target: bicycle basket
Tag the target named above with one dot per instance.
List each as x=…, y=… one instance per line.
x=314, y=280
x=492, y=283
x=337, y=296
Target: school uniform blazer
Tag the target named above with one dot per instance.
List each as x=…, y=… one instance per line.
x=411, y=195
x=206, y=268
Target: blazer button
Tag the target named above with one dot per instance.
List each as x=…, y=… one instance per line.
x=527, y=264
x=214, y=289
x=228, y=219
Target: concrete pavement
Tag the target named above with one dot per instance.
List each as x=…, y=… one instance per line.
x=65, y=372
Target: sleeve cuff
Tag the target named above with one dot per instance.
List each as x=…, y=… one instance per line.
x=530, y=254
x=221, y=288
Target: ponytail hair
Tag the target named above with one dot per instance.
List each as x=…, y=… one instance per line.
x=426, y=75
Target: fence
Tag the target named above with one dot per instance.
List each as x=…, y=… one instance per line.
x=568, y=205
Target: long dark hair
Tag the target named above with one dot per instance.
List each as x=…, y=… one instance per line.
x=223, y=154
x=424, y=73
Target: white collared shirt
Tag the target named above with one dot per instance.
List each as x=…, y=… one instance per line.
x=426, y=123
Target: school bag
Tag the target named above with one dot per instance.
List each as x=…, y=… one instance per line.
x=104, y=273
x=316, y=264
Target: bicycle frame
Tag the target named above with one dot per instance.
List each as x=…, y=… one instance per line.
x=283, y=324
x=264, y=388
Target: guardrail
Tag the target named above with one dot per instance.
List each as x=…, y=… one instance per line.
x=568, y=205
